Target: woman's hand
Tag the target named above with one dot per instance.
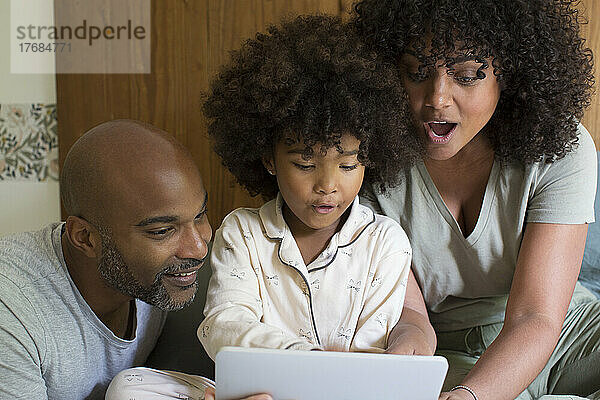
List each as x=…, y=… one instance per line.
x=458, y=394
x=209, y=394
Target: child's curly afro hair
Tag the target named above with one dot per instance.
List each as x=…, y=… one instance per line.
x=310, y=79
x=543, y=66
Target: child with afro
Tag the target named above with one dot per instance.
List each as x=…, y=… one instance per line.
x=301, y=115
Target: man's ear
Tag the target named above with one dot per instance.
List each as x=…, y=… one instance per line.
x=83, y=236
x=269, y=164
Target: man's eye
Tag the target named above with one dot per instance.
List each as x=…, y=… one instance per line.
x=159, y=232
x=304, y=167
x=349, y=167
x=201, y=216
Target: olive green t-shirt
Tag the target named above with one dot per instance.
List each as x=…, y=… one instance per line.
x=466, y=281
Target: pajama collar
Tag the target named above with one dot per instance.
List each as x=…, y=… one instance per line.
x=276, y=228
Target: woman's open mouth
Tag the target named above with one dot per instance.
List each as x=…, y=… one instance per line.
x=440, y=132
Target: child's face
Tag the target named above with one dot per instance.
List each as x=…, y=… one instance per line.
x=450, y=106
x=317, y=191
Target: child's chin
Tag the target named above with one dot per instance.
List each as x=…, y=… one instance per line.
x=324, y=223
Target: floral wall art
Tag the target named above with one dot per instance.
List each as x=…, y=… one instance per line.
x=28, y=142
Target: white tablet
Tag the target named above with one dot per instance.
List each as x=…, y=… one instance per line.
x=314, y=375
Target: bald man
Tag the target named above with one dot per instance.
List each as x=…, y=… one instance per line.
x=82, y=300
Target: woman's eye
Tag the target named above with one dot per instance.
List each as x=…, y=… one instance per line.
x=466, y=79
x=464, y=76
x=416, y=76
x=414, y=73
x=349, y=167
x=304, y=167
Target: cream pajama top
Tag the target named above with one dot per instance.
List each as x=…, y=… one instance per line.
x=261, y=294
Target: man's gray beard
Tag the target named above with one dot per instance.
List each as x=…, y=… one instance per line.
x=117, y=275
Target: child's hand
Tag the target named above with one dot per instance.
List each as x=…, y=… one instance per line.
x=408, y=339
x=209, y=394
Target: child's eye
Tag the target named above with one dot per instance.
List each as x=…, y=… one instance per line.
x=349, y=167
x=304, y=167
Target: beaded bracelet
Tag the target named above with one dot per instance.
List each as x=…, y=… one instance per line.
x=468, y=389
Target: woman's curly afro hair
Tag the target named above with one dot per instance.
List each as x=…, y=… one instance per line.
x=310, y=79
x=543, y=66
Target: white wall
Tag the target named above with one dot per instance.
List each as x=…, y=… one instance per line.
x=24, y=205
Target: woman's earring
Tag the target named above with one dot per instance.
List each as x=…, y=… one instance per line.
x=271, y=172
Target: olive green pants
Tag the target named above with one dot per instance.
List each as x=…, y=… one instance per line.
x=573, y=368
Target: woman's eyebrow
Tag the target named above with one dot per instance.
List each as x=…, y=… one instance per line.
x=463, y=59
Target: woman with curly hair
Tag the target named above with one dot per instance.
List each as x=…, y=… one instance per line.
x=300, y=115
x=497, y=208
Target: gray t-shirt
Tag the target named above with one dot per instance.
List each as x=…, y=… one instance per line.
x=466, y=281
x=52, y=345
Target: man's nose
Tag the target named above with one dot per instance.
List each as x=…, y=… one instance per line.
x=194, y=241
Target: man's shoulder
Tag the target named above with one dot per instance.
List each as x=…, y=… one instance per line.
x=28, y=256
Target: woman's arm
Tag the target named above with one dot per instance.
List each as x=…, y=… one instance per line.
x=413, y=334
x=547, y=269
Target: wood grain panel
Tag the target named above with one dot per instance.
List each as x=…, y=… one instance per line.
x=591, y=32
x=190, y=40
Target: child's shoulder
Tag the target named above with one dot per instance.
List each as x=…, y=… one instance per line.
x=389, y=226
x=383, y=227
x=242, y=215
x=377, y=220
x=251, y=218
